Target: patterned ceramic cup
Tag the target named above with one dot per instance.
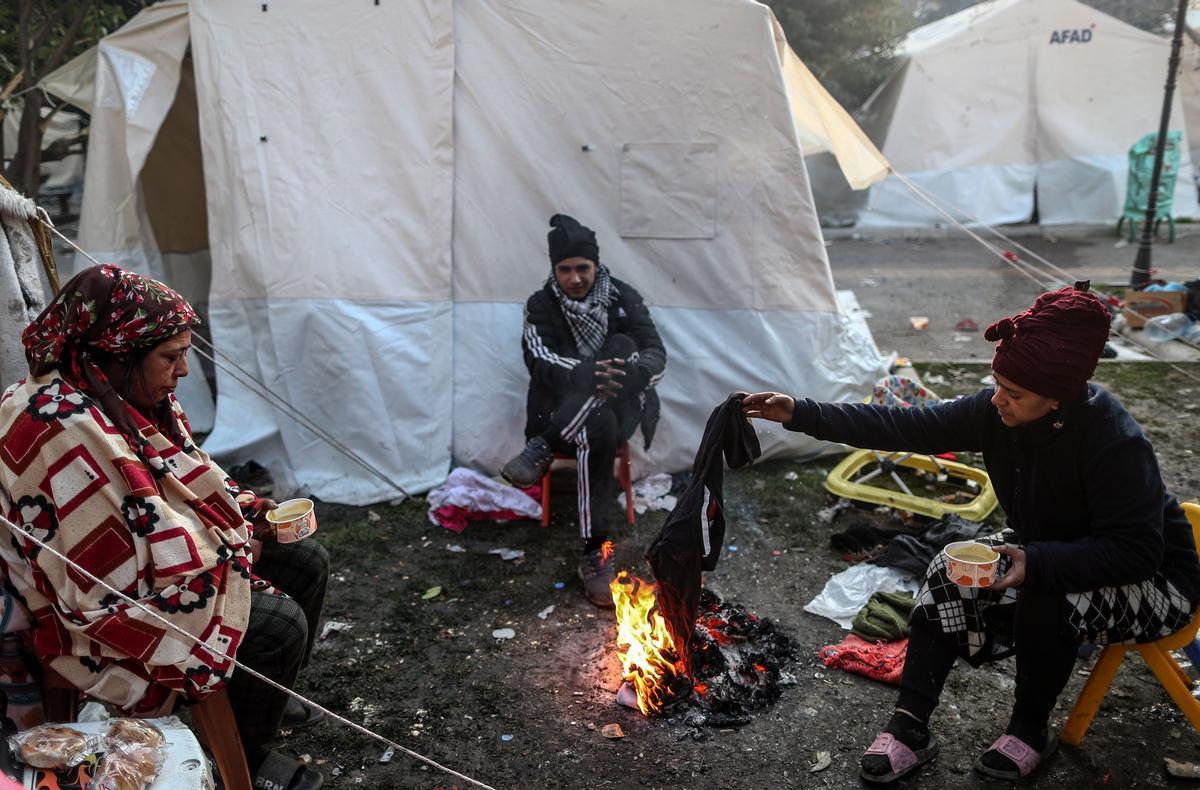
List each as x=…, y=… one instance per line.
x=294, y=520
x=971, y=564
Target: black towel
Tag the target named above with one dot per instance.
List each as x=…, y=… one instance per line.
x=691, y=538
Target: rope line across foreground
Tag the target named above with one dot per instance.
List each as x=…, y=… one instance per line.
x=22, y=534
x=259, y=387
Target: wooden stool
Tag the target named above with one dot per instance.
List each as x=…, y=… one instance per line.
x=216, y=729
x=624, y=477
x=1157, y=656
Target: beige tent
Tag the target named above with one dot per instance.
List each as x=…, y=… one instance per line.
x=372, y=184
x=1013, y=103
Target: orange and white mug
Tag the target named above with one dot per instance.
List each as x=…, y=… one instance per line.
x=972, y=564
x=294, y=520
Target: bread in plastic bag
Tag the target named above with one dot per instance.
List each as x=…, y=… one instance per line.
x=52, y=746
x=131, y=733
x=128, y=768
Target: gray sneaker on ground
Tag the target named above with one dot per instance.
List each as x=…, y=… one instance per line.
x=530, y=464
x=597, y=571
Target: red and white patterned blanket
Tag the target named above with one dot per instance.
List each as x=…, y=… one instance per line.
x=173, y=538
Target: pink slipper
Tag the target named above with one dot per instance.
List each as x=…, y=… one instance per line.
x=1026, y=758
x=902, y=759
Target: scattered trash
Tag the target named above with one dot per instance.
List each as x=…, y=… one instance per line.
x=733, y=548
x=963, y=337
x=455, y=548
x=332, y=627
x=559, y=585
x=506, y=737
x=432, y=592
x=791, y=476
x=868, y=282
x=503, y=633
x=651, y=493
x=828, y=514
x=988, y=381
x=935, y=379
x=542, y=615
x=1182, y=770
x=966, y=325
x=372, y=516
x=386, y=757
x=776, y=553
x=612, y=731
x=507, y=554
x=919, y=322
x=823, y=761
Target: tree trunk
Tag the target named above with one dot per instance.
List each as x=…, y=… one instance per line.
x=25, y=171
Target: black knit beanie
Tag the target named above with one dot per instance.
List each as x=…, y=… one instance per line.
x=568, y=239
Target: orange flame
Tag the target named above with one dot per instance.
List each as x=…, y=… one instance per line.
x=648, y=655
x=606, y=551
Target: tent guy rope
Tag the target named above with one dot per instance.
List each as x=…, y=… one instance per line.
x=1015, y=261
x=20, y=534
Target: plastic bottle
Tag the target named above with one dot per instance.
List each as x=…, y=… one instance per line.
x=1192, y=334
x=1166, y=327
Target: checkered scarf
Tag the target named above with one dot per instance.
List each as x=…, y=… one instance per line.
x=588, y=317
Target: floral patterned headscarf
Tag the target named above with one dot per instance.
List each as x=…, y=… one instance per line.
x=115, y=311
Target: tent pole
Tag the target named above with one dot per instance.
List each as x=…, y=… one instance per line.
x=1141, y=264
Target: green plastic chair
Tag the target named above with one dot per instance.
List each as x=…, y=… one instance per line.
x=1137, y=187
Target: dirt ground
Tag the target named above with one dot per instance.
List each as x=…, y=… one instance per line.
x=527, y=712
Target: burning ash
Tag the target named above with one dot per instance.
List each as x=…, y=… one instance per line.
x=649, y=660
x=738, y=660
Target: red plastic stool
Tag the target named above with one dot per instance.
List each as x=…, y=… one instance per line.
x=624, y=477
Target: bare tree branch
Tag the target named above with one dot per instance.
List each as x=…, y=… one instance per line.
x=68, y=40
x=49, y=20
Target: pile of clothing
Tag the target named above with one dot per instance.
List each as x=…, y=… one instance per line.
x=874, y=598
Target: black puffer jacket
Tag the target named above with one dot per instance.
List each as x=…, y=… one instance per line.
x=1086, y=499
x=551, y=353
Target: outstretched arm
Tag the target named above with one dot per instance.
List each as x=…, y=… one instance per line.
x=952, y=425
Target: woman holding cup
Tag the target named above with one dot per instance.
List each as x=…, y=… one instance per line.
x=98, y=463
x=1097, y=549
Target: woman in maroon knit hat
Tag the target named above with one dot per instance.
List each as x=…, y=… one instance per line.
x=1096, y=550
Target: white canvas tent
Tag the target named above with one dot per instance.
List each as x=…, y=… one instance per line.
x=373, y=184
x=1015, y=101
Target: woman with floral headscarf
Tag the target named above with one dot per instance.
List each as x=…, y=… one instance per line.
x=1097, y=549
x=98, y=463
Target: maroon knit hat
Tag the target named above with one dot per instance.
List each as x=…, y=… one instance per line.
x=1053, y=347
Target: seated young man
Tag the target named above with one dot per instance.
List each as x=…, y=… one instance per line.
x=594, y=357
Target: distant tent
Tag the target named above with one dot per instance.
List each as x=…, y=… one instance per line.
x=372, y=183
x=1012, y=105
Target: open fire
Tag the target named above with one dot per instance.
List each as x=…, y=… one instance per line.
x=737, y=660
x=649, y=661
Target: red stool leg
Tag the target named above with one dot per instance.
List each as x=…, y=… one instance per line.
x=625, y=476
x=546, y=499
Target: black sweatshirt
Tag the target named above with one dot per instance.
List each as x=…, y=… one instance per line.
x=551, y=353
x=1086, y=500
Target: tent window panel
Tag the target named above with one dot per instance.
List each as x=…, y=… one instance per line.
x=669, y=190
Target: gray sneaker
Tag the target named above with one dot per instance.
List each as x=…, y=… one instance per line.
x=530, y=465
x=597, y=571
